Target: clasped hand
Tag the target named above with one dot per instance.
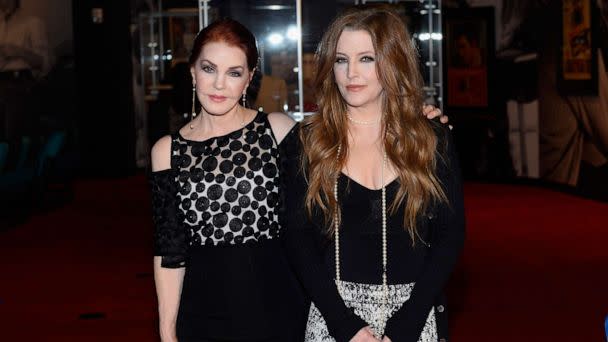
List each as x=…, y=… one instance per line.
x=367, y=335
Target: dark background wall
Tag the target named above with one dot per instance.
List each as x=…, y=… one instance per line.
x=101, y=119
x=104, y=88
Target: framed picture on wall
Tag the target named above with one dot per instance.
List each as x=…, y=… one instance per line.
x=468, y=58
x=577, y=67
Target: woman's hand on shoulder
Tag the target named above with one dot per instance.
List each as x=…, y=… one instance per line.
x=364, y=335
x=432, y=112
x=281, y=124
x=161, y=154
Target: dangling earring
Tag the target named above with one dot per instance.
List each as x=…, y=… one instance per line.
x=193, y=112
x=244, y=99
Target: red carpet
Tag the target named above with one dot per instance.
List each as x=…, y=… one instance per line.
x=534, y=268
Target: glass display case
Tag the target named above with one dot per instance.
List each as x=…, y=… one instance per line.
x=283, y=81
x=429, y=36
x=165, y=39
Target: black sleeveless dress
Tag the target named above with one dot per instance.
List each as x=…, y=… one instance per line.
x=216, y=213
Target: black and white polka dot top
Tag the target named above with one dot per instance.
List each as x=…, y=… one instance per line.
x=216, y=213
x=228, y=185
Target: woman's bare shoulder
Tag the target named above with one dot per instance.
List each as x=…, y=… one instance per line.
x=161, y=154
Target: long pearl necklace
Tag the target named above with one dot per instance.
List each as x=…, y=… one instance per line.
x=384, y=241
x=360, y=122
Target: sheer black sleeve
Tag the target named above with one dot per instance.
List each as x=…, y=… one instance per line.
x=448, y=239
x=169, y=234
x=304, y=251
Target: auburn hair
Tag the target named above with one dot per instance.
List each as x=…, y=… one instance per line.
x=228, y=31
x=409, y=140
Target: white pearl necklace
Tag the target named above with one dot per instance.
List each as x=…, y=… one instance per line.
x=360, y=122
x=384, y=240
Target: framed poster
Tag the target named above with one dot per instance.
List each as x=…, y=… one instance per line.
x=577, y=67
x=469, y=57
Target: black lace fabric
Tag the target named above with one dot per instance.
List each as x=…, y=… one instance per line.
x=169, y=234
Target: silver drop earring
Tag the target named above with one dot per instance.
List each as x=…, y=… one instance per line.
x=244, y=99
x=193, y=112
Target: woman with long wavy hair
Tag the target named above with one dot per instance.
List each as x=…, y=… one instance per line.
x=374, y=199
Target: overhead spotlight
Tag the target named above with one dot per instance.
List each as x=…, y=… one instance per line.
x=275, y=38
x=436, y=36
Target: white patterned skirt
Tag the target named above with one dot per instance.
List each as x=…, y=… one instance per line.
x=366, y=300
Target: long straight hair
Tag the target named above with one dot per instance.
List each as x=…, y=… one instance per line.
x=408, y=137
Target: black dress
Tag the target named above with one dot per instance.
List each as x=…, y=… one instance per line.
x=216, y=213
x=427, y=263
